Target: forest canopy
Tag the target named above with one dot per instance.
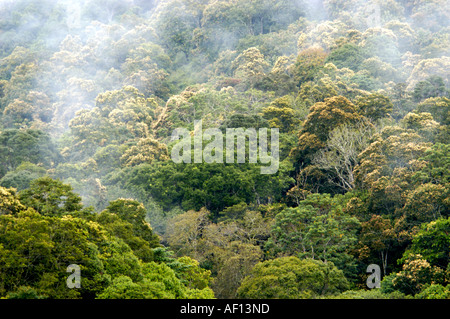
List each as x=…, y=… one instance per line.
x=91, y=92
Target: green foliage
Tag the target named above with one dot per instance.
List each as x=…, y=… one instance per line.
x=434, y=291
x=9, y=201
x=250, y=66
x=434, y=86
x=387, y=164
x=159, y=282
x=19, y=146
x=90, y=93
x=24, y=292
x=347, y=56
x=368, y=294
x=416, y=275
x=280, y=114
x=378, y=239
x=245, y=121
x=229, y=249
x=308, y=64
x=316, y=229
x=50, y=197
x=438, y=107
x=374, y=106
x=126, y=219
x=322, y=118
x=292, y=278
x=35, y=251
x=436, y=165
x=435, y=232
x=124, y=288
x=21, y=177
x=118, y=116
x=214, y=186
x=325, y=116
x=191, y=274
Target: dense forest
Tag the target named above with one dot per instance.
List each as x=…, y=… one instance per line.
x=92, y=90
